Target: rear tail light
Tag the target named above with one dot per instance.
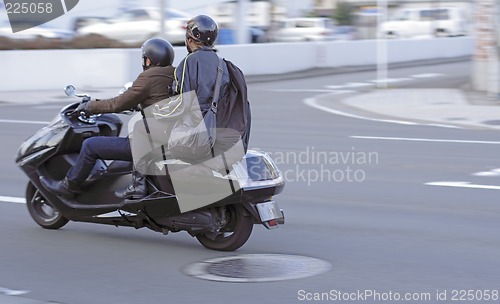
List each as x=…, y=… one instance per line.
x=272, y=224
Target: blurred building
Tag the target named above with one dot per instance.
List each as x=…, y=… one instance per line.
x=366, y=11
x=260, y=13
x=327, y=7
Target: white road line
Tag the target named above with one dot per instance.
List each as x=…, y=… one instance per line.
x=443, y=126
x=25, y=121
x=313, y=103
x=337, y=92
x=302, y=90
x=115, y=214
x=349, y=85
x=12, y=292
x=426, y=75
x=463, y=185
x=390, y=80
x=494, y=172
x=10, y=199
x=430, y=140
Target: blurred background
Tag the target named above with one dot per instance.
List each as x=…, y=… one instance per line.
x=265, y=20
x=127, y=24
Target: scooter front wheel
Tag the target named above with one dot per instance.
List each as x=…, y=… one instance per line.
x=234, y=235
x=42, y=212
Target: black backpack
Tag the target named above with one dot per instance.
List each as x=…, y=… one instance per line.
x=233, y=110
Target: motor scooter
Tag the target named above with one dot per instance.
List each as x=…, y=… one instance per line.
x=225, y=224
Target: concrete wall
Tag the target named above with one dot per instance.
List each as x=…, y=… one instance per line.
x=101, y=68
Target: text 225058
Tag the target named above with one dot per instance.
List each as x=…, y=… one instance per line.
x=28, y=8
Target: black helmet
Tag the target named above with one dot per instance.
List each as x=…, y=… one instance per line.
x=159, y=51
x=202, y=29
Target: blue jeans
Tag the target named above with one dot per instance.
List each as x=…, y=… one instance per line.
x=99, y=147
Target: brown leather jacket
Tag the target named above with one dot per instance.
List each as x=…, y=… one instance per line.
x=150, y=87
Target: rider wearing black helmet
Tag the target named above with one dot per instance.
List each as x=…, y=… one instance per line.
x=202, y=29
x=151, y=86
x=159, y=52
x=198, y=71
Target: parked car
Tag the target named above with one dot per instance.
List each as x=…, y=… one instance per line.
x=345, y=32
x=138, y=25
x=228, y=35
x=40, y=31
x=303, y=29
x=438, y=22
x=80, y=22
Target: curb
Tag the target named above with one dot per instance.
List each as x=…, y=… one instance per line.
x=318, y=72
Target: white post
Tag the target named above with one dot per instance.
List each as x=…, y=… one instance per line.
x=381, y=46
x=242, y=33
x=485, y=66
x=493, y=81
x=163, y=7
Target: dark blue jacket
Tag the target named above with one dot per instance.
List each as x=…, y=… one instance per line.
x=199, y=69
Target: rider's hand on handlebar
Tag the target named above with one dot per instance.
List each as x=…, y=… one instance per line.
x=81, y=110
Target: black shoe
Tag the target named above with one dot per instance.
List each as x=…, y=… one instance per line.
x=64, y=188
x=136, y=189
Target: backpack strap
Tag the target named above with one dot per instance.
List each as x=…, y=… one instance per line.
x=215, y=99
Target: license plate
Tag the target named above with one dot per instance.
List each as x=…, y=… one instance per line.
x=269, y=211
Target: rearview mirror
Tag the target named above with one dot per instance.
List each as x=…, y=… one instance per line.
x=69, y=90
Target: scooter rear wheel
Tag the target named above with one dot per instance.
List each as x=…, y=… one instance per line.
x=235, y=234
x=42, y=211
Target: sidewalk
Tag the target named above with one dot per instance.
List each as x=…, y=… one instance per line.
x=446, y=107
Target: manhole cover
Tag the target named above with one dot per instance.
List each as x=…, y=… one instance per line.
x=257, y=268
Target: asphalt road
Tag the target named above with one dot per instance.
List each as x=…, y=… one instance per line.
x=360, y=204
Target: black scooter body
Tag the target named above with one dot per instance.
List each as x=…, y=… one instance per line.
x=52, y=151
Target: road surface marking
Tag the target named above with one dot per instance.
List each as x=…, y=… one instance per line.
x=337, y=92
x=313, y=103
x=115, y=214
x=390, y=80
x=494, y=172
x=12, y=292
x=427, y=75
x=25, y=121
x=429, y=140
x=443, y=126
x=349, y=85
x=10, y=199
x=463, y=185
x=305, y=90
